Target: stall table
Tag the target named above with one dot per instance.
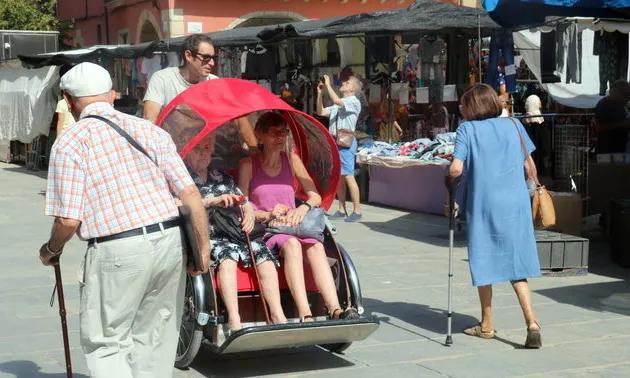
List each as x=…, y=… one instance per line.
x=409, y=184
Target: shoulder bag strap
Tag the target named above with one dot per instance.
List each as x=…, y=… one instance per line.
x=124, y=134
x=529, y=164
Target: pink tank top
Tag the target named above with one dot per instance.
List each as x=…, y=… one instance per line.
x=265, y=191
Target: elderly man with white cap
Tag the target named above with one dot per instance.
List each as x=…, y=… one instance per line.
x=121, y=201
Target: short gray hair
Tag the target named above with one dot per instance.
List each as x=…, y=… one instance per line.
x=356, y=84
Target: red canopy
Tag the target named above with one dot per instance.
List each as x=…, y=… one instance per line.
x=213, y=104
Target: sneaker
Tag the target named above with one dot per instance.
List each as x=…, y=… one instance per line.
x=337, y=215
x=354, y=217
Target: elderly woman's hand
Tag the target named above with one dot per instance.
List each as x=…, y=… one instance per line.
x=227, y=200
x=279, y=210
x=249, y=219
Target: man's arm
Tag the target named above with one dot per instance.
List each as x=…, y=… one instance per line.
x=62, y=231
x=151, y=111
x=191, y=197
x=154, y=98
x=321, y=111
x=331, y=92
x=60, y=121
x=247, y=132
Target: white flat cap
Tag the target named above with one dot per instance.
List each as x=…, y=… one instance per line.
x=86, y=79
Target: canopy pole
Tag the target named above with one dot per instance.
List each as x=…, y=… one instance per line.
x=390, y=101
x=479, y=45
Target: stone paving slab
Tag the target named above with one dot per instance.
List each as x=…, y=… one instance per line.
x=402, y=261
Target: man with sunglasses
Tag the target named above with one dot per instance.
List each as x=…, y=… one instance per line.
x=200, y=60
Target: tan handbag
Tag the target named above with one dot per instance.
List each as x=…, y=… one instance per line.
x=543, y=211
x=345, y=138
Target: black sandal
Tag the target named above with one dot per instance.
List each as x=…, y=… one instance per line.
x=349, y=314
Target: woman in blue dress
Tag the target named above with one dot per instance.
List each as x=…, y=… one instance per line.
x=501, y=242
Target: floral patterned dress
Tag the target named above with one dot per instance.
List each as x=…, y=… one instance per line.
x=220, y=183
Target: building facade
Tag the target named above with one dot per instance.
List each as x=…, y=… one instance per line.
x=111, y=22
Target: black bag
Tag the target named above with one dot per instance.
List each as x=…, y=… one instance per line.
x=226, y=224
x=186, y=225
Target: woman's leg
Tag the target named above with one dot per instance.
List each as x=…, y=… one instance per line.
x=533, y=340
x=316, y=257
x=229, y=292
x=521, y=287
x=269, y=285
x=294, y=273
x=485, y=297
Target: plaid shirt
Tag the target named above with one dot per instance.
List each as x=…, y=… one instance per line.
x=97, y=177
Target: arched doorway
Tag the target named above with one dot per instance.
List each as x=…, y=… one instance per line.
x=148, y=33
x=148, y=28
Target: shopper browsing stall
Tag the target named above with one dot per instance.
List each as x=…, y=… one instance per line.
x=343, y=115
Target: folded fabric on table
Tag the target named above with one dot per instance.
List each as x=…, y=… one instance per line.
x=424, y=149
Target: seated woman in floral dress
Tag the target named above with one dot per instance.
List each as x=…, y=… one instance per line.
x=267, y=179
x=219, y=189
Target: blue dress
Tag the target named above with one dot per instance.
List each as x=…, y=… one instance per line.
x=501, y=241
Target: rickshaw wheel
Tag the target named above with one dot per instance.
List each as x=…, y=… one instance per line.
x=336, y=348
x=190, y=332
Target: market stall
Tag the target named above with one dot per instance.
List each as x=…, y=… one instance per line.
x=410, y=175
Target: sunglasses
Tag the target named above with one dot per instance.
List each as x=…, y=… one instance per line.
x=205, y=58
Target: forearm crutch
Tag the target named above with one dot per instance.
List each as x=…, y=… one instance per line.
x=62, y=313
x=451, y=186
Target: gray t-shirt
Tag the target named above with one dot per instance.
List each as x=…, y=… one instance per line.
x=166, y=84
x=346, y=116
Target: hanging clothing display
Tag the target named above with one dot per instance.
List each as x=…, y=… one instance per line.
x=317, y=60
x=381, y=49
x=151, y=66
x=412, y=56
x=345, y=52
x=457, y=62
x=432, y=56
x=612, y=49
x=569, y=52
x=229, y=63
x=261, y=64
x=502, y=45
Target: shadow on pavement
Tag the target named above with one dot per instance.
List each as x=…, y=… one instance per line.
x=424, y=228
x=29, y=369
x=41, y=173
x=433, y=320
x=600, y=263
x=613, y=297
x=281, y=361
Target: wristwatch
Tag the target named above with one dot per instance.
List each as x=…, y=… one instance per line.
x=307, y=205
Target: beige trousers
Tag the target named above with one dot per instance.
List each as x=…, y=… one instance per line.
x=132, y=294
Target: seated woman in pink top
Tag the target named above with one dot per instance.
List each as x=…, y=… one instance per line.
x=267, y=180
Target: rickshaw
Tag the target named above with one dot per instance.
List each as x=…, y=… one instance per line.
x=212, y=106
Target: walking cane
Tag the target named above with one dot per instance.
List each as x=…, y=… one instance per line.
x=253, y=257
x=451, y=186
x=62, y=313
